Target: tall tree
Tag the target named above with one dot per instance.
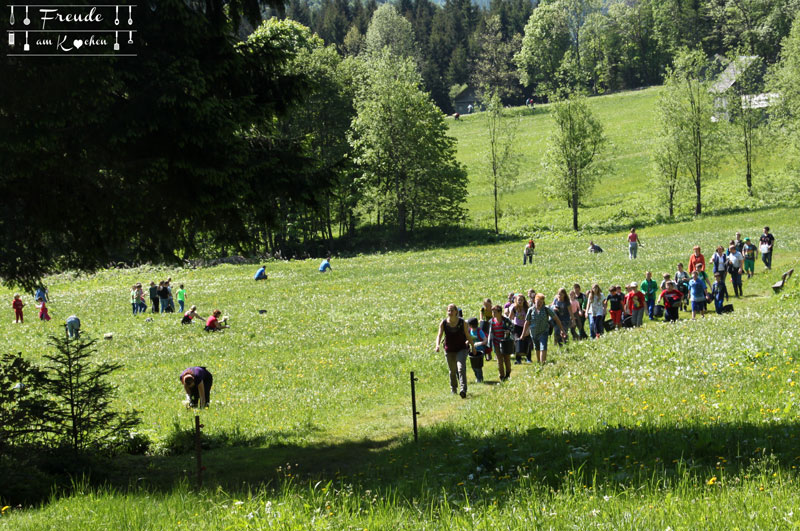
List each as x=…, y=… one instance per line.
x=784, y=80
x=688, y=108
x=667, y=164
x=573, y=161
x=402, y=147
x=389, y=28
x=747, y=112
x=494, y=71
x=502, y=160
x=545, y=42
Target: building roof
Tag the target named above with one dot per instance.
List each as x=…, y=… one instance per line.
x=731, y=74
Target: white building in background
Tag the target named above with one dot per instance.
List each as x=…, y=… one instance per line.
x=728, y=79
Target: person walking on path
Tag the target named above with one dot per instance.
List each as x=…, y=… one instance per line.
x=537, y=324
x=633, y=244
x=197, y=382
x=735, y=266
x=650, y=289
x=766, y=243
x=457, y=344
x=749, y=253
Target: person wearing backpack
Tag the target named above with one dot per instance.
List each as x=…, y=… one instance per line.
x=719, y=292
x=749, y=253
x=481, y=342
x=672, y=298
x=502, y=327
x=735, y=265
x=457, y=344
x=537, y=324
x=720, y=261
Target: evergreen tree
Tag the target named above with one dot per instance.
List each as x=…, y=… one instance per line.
x=82, y=418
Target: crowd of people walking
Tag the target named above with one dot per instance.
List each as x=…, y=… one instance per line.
x=524, y=325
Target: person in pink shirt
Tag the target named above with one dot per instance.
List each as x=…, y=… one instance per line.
x=633, y=244
x=214, y=324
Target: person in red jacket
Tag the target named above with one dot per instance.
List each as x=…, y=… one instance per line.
x=696, y=258
x=635, y=304
x=672, y=298
x=17, y=304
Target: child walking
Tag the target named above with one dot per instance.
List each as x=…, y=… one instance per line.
x=720, y=292
x=18, y=305
x=480, y=342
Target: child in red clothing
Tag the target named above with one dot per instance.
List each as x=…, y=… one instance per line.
x=17, y=305
x=43, y=313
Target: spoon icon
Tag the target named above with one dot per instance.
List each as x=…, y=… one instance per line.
x=116, y=21
x=27, y=20
x=130, y=18
x=11, y=20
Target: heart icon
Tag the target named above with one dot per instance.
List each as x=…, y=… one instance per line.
x=77, y=43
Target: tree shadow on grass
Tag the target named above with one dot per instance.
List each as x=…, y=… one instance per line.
x=487, y=466
x=446, y=458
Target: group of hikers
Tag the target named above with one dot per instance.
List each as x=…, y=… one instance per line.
x=518, y=328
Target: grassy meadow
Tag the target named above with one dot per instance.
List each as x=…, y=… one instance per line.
x=682, y=426
x=626, y=196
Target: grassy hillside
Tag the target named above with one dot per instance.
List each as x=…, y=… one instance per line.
x=626, y=195
x=669, y=425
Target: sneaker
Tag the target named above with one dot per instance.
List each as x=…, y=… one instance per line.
x=518, y=362
x=528, y=361
x=463, y=394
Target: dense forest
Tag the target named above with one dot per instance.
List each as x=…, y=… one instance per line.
x=288, y=136
x=601, y=45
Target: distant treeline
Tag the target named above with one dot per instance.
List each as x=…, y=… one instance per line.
x=601, y=45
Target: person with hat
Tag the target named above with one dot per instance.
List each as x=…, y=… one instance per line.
x=749, y=252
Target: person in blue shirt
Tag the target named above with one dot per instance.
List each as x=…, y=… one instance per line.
x=261, y=274
x=325, y=265
x=697, y=294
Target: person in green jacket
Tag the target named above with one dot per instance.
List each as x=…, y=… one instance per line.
x=181, y=297
x=649, y=287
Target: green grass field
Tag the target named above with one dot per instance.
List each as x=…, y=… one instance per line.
x=692, y=425
x=626, y=195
